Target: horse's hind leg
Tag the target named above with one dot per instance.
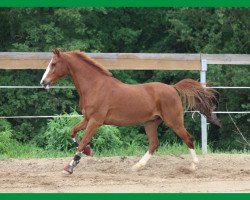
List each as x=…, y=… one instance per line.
x=176, y=122
x=151, y=131
x=188, y=139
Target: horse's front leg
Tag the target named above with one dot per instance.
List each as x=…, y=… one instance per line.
x=78, y=127
x=92, y=125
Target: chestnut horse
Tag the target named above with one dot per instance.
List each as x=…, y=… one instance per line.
x=106, y=100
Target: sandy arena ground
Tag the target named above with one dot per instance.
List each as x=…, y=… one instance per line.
x=216, y=173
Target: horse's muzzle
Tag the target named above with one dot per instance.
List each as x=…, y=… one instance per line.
x=45, y=84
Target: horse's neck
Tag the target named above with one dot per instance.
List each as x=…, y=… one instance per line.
x=86, y=78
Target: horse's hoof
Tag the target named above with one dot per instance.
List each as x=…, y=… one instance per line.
x=88, y=151
x=196, y=161
x=193, y=166
x=68, y=168
x=137, y=167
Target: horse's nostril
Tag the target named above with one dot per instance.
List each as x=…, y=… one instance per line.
x=44, y=83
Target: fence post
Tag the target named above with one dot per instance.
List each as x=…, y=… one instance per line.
x=203, y=118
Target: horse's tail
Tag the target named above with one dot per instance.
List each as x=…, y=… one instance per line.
x=195, y=97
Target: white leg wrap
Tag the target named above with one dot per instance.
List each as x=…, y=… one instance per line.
x=142, y=162
x=71, y=163
x=145, y=158
x=195, y=159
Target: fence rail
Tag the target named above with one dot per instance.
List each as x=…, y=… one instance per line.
x=126, y=61
x=123, y=61
x=226, y=59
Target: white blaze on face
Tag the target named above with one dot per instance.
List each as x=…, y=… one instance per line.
x=46, y=73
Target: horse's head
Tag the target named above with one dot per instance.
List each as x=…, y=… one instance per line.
x=56, y=69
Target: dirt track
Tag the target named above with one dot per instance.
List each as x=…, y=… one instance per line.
x=216, y=173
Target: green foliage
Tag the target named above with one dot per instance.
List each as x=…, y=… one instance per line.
x=133, y=135
x=32, y=102
x=10, y=148
x=5, y=137
x=107, y=138
x=57, y=136
x=4, y=125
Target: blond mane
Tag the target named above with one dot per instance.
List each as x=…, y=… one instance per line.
x=92, y=62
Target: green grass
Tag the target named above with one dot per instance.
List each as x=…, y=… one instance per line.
x=135, y=150
x=18, y=150
x=31, y=151
x=10, y=148
x=234, y=151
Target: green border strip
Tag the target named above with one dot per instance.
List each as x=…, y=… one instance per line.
x=125, y=3
x=125, y=196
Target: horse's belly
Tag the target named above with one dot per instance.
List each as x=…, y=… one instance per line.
x=124, y=121
x=130, y=116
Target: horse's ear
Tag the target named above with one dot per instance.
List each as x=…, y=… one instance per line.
x=56, y=52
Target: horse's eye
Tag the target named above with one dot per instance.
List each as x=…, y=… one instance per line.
x=53, y=64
